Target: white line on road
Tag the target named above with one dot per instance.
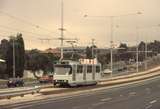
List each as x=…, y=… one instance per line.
x=148, y=107
x=99, y=103
x=132, y=93
x=121, y=95
x=152, y=102
x=106, y=99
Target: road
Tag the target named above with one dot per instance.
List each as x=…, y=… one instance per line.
x=144, y=95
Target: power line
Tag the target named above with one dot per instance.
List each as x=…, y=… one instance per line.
x=23, y=31
x=25, y=21
x=26, y=38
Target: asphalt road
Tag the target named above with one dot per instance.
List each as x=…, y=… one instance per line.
x=144, y=95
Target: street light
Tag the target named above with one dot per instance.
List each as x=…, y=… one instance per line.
x=112, y=31
x=62, y=29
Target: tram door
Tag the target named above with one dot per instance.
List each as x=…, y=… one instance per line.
x=74, y=69
x=84, y=72
x=93, y=72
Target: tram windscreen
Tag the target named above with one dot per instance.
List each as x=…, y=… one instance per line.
x=62, y=69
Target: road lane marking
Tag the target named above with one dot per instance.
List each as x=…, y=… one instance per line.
x=121, y=95
x=99, y=103
x=148, y=107
x=132, y=93
x=106, y=99
x=152, y=102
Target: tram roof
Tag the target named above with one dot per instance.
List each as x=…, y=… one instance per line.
x=71, y=62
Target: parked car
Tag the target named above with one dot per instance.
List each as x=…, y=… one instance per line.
x=46, y=79
x=15, y=82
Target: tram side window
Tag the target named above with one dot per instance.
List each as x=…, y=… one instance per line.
x=97, y=69
x=89, y=69
x=79, y=68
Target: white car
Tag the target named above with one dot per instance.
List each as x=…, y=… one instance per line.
x=107, y=71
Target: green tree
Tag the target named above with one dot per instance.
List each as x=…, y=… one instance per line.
x=19, y=56
x=35, y=61
x=123, y=47
x=88, y=53
x=3, y=55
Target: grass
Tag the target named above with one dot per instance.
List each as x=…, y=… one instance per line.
x=2, y=81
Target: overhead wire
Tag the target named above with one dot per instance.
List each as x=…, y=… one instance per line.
x=28, y=23
x=23, y=31
x=25, y=21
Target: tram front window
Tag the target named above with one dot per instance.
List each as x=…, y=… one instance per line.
x=62, y=69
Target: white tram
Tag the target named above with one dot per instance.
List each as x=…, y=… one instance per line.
x=73, y=73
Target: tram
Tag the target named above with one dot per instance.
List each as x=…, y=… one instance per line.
x=73, y=73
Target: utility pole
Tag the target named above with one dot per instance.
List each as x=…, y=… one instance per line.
x=137, y=58
x=62, y=29
x=111, y=44
x=146, y=55
x=14, y=68
x=137, y=51
x=93, y=44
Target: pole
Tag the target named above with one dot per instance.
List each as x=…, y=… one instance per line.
x=111, y=18
x=137, y=58
x=137, y=54
x=62, y=29
x=93, y=48
x=146, y=55
x=14, y=73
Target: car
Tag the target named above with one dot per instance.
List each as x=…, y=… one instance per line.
x=15, y=82
x=107, y=71
x=46, y=79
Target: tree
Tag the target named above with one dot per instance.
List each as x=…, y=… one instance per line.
x=88, y=53
x=35, y=61
x=123, y=54
x=3, y=55
x=104, y=59
x=19, y=56
x=20, y=53
x=141, y=46
x=123, y=47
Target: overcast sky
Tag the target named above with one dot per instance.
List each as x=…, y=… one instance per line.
x=46, y=13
